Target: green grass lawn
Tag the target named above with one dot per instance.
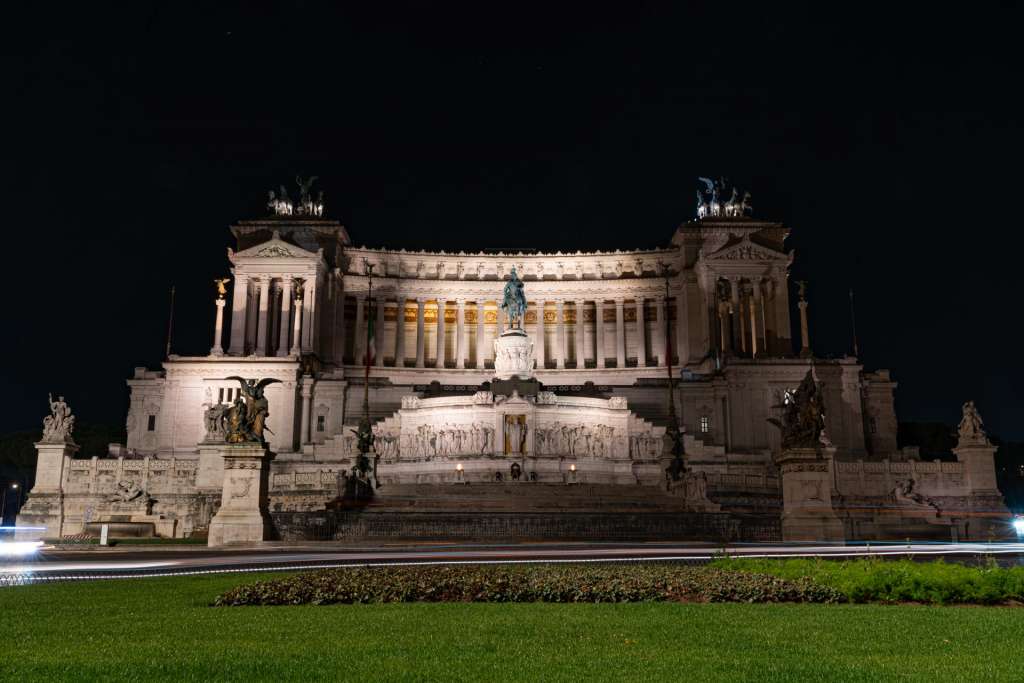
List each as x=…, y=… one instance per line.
x=163, y=629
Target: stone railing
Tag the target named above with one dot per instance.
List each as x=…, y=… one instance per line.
x=878, y=478
x=152, y=474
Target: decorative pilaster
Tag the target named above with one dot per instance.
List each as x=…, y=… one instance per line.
x=441, y=305
x=460, y=334
x=218, y=330
x=620, y=334
x=560, y=349
x=420, y=335
x=261, y=327
x=307, y=407
x=641, y=334
x=284, y=334
x=539, y=347
x=735, y=339
x=239, y=303
x=400, y=333
x=480, y=329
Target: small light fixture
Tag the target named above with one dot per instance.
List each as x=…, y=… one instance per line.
x=458, y=472
x=1018, y=525
x=572, y=467
x=14, y=486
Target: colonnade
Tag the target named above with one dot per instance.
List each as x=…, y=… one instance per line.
x=272, y=316
x=577, y=334
x=751, y=316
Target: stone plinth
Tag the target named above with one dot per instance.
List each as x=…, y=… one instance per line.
x=513, y=355
x=979, y=467
x=243, y=516
x=807, y=495
x=44, y=508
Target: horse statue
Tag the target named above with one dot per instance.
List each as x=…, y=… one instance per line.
x=514, y=301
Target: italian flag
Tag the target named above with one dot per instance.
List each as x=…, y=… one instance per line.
x=371, y=340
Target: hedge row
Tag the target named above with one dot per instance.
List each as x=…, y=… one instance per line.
x=892, y=581
x=526, y=583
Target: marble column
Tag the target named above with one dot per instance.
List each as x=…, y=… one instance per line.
x=755, y=304
x=239, y=302
x=378, y=333
x=284, y=332
x=359, y=338
x=420, y=335
x=662, y=332
x=734, y=313
x=641, y=334
x=261, y=327
x=460, y=334
x=762, y=331
x=601, y=361
x=218, y=330
x=309, y=316
x=538, y=347
x=620, y=334
x=683, y=324
x=296, y=328
x=480, y=329
x=560, y=334
x=441, y=305
x=578, y=335
x=307, y=406
x=339, y=324
x=400, y=333
x=783, y=331
x=805, y=333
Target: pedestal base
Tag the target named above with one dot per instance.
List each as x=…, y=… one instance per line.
x=243, y=517
x=807, y=495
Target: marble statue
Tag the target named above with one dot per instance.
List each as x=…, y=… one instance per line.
x=971, y=429
x=247, y=418
x=58, y=425
x=905, y=494
x=514, y=301
x=803, y=416
x=215, y=421
x=126, y=492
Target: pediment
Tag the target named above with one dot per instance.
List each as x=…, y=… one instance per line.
x=746, y=250
x=275, y=247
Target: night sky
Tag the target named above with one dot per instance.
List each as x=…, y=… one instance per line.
x=890, y=144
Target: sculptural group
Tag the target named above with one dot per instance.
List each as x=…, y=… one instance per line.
x=246, y=418
x=803, y=415
x=58, y=425
x=709, y=202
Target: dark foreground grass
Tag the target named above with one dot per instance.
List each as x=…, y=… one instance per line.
x=164, y=629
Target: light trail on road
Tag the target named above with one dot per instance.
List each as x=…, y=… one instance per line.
x=129, y=563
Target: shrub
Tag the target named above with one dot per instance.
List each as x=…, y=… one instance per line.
x=879, y=580
x=526, y=583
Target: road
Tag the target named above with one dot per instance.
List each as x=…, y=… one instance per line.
x=127, y=562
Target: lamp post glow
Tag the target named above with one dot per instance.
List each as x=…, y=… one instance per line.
x=1018, y=524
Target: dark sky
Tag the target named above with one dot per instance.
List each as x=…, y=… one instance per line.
x=890, y=143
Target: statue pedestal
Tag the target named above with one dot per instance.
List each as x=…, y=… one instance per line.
x=45, y=504
x=807, y=513
x=243, y=516
x=979, y=466
x=513, y=355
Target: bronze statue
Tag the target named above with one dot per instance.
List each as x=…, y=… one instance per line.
x=220, y=284
x=803, y=416
x=247, y=418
